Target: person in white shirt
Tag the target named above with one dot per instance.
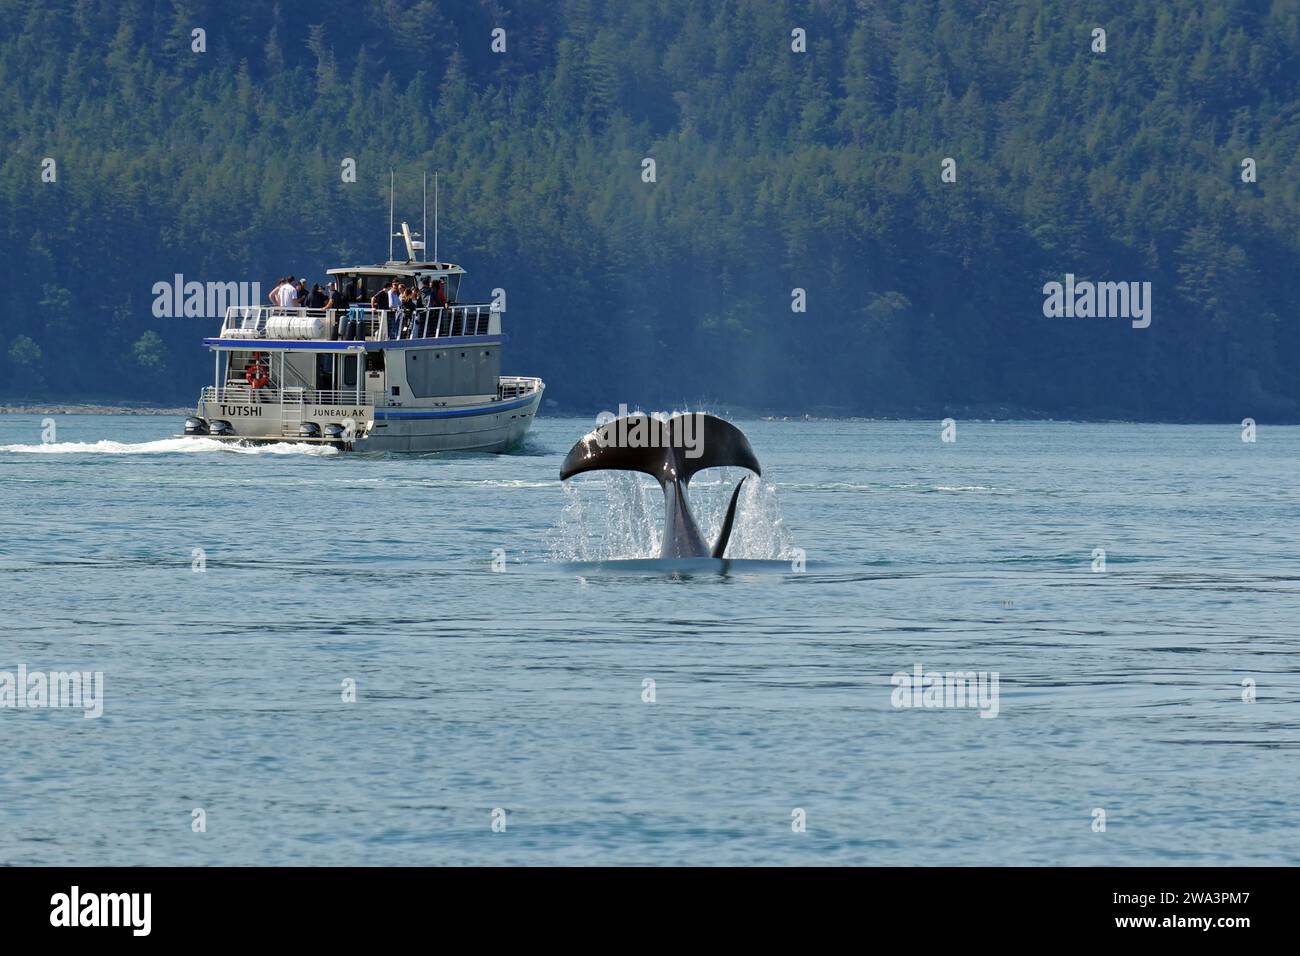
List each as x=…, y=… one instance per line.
x=289, y=293
x=395, y=308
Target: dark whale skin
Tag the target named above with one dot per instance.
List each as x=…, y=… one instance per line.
x=671, y=451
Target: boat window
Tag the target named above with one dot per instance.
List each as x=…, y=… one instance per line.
x=349, y=371
x=374, y=361
x=371, y=284
x=324, y=370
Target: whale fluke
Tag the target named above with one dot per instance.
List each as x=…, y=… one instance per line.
x=671, y=451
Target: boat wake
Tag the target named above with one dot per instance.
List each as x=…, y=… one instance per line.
x=168, y=446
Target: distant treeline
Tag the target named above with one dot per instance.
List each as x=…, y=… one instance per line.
x=777, y=168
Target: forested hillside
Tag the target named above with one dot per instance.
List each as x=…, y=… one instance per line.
x=775, y=170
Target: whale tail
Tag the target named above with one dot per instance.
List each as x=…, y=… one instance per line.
x=671, y=451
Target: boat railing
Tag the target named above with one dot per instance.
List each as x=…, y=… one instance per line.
x=516, y=386
x=359, y=323
x=240, y=394
x=445, y=322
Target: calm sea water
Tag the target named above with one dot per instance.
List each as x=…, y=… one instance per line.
x=1120, y=690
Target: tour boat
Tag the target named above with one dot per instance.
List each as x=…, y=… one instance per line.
x=365, y=379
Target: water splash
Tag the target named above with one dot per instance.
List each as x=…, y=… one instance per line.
x=168, y=446
x=613, y=516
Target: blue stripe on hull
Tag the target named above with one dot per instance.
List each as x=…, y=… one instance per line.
x=382, y=414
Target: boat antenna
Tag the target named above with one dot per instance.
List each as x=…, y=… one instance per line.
x=391, y=182
x=424, y=224
x=435, y=218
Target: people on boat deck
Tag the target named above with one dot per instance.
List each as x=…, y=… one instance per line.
x=395, y=308
x=385, y=297
x=334, y=299
x=432, y=294
x=388, y=299
x=410, y=304
x=339, y=302
x=285, y=293
x=404, y=304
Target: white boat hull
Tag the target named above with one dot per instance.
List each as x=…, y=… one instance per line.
x=482, y=429
x=492, y=426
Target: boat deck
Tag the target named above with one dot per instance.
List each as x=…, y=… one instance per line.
x=277, y=326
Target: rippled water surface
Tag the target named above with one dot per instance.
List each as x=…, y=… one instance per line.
x=1120, y=690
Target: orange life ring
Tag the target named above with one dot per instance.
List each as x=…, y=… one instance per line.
x=257, y=376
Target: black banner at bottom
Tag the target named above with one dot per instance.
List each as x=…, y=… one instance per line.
x=334, y=906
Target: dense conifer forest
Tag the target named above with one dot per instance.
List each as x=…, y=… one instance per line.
x=777, y=167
